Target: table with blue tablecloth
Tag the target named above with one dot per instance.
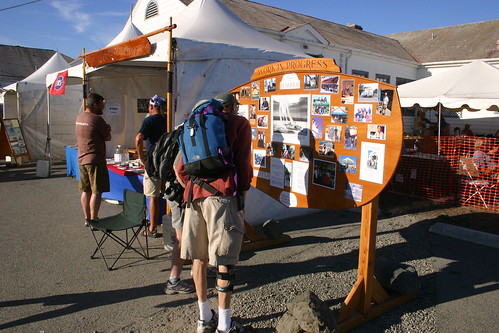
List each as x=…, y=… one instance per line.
x=119, y=180
x=72, y=162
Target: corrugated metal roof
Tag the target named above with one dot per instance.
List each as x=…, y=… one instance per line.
x=18, y=62
x=458, y=42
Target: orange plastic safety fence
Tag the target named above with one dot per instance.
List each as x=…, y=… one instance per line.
x=463, y=170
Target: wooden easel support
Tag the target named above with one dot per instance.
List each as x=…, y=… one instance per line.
x=367, y=299
x=254, y=241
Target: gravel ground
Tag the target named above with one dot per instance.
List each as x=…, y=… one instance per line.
x=322, y=258
x=51, y=285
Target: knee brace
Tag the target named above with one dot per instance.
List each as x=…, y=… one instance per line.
x=229, y=277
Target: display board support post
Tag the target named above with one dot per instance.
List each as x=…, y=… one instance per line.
x=367, y=299
x=254, y=241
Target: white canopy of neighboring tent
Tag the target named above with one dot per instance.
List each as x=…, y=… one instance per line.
x=27, y=101
x=471, y=86
x=129, y=31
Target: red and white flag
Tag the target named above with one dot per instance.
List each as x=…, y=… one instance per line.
x=59, y=85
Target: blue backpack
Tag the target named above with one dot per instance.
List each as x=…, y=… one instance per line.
x=202, y=141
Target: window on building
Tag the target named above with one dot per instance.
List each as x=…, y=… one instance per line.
x=383, y=78
x=401, y=80
x=360, y=73
x=152, y=9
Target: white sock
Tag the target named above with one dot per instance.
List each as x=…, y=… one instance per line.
x=205, y=311
x=174, y=280
x=224, y=320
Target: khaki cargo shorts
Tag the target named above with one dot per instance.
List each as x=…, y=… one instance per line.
x=153, y=187
x=94, y=177
x=213, y=229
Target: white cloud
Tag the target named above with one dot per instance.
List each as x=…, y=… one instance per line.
x=71, y=11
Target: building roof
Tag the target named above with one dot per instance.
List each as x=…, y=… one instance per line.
x=477, y=40
x=275, y=19
x=18, y=62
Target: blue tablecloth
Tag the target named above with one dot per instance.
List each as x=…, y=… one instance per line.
x=118, y=179
x=72, y=162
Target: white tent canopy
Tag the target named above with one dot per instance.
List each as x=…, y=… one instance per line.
x=215, y=51
x=471, y=86
x=27, y=101
x=129, y=31
x=211, y=55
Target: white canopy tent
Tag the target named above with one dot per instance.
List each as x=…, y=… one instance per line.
x=471, y=86
x=27, y=101
x=208, y=58
x=214, y=51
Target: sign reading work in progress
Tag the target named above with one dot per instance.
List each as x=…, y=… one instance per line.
x=321, y=139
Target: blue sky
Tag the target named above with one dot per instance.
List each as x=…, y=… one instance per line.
x=71, y=25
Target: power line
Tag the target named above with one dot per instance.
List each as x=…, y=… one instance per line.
x=23, y=4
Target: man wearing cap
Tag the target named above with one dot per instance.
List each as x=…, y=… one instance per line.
x=467, y=130
x=214, y=224
x=153, y=126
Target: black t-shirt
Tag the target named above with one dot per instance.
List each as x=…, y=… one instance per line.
x=152, y=128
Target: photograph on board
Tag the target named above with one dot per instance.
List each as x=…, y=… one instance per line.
x=290, y=119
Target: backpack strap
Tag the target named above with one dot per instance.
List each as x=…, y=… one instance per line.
x=204, y=184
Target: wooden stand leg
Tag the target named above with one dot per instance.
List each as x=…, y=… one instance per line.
x=254, y=241
x=367, y=299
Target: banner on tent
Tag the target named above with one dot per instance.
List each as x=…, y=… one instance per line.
x=321, y=139
x=59, y=85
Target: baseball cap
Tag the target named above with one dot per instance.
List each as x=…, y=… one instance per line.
x=156, y=101
x=227, y=98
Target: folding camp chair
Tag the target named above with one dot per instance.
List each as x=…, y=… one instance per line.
x=477, y=186
x=129, y=223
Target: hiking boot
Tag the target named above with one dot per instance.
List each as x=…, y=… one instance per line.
x=210, y=326
x=180, y=287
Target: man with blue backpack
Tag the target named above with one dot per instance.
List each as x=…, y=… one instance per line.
x=215, y=186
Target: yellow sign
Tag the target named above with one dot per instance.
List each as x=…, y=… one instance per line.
x=297, y=65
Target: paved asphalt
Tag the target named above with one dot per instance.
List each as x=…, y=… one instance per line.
x=50, y=284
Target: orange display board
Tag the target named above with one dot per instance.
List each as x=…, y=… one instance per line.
x=321, y=139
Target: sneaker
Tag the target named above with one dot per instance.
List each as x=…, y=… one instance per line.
x=168, y=248
x=178, y=288
x=210, y=326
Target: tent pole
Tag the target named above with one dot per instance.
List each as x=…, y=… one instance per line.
x=169, y=89
x=48, y=146
x=84, y=81
x=439, y=123
x=169, y=82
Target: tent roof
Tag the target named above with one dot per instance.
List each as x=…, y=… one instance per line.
x=193, y=23
x=55, y=64
x=129, y=31
x=473, y=85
